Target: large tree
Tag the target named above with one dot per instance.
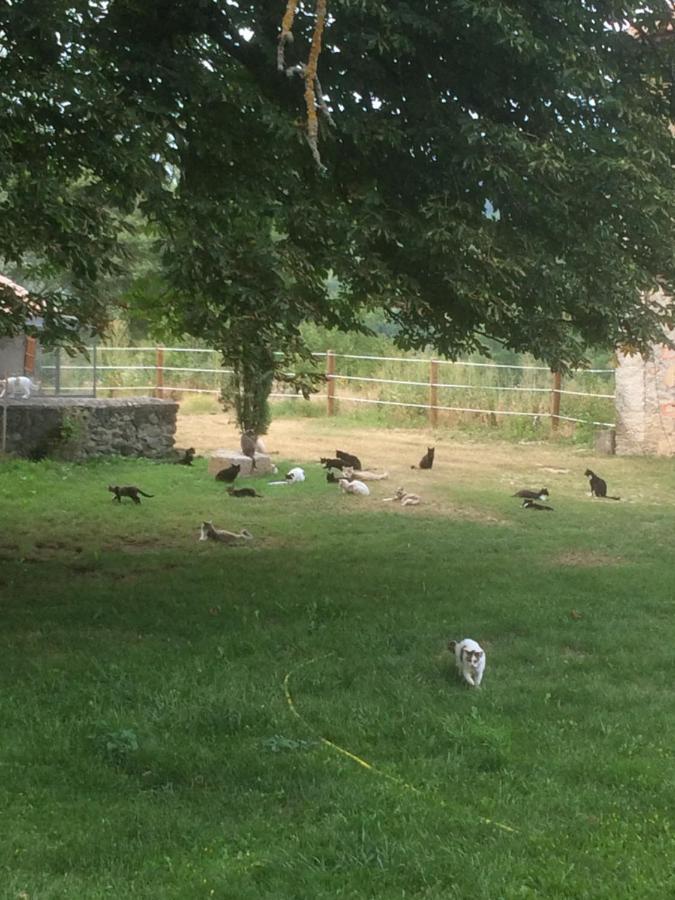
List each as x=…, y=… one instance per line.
x=495, y=169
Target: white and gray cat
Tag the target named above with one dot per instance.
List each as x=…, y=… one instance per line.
x=351, y=473
x=15, y=383
x=405, y=498
x=209, y=532
x=354, y=487
x=470, y=659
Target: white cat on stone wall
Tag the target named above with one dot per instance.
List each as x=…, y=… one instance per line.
x=15, y=383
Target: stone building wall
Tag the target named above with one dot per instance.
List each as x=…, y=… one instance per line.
x=82, y=428
x=645, y=403
x=12, y=352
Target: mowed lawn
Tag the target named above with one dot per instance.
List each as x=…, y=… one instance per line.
x=163, y=701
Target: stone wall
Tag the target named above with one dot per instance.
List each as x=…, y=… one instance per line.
x=81, y=428
x=645, y=403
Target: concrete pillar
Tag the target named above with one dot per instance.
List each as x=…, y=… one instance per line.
x=645, y=402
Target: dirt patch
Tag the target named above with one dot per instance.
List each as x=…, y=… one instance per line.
x=392, y=449
x=446, y=511
x=585, y=559
x=84, y=568
x=573, y=653
x=57, y=545
x=460, y=460
x=139, y=545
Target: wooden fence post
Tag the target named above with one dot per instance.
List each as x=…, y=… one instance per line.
x=29, y=356
x=330, y=382
x=4, y=415
x=433, y=393
x=555, y=401
x=159, y=372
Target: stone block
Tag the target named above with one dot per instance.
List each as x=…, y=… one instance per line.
x=221, y=459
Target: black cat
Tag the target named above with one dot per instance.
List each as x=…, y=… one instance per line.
x=243, y=492
x=127, y=491
x=188, y=456
x=530, y=504
x=427, y=460
x=348, y=459
x=330, y=463
x=533, y=495
x=228, y=475
x=598, y=486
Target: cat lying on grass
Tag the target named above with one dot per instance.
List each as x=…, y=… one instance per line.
x=208, y=532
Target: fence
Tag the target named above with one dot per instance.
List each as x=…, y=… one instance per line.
x=479, y=388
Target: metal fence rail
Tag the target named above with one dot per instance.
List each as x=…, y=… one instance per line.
x=101, y=382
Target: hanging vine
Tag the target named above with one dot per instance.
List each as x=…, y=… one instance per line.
x=314, y=98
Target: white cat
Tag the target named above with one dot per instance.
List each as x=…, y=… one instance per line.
x=18, y=383
x=354, y=487
x=363, y=474
x=295, y=475
x=470, y=658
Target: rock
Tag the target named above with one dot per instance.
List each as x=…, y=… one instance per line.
x=221, y=459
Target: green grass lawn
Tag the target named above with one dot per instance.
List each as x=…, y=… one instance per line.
x=148, y=748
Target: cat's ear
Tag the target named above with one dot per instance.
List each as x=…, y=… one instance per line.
x=452, y=645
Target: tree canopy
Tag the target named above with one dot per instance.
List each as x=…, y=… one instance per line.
x=494, y=169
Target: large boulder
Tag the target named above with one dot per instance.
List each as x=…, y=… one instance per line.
x=222, y=459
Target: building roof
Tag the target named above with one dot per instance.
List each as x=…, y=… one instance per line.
x=20, y=292
x=34, y=309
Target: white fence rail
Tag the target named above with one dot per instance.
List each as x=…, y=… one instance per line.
x=210, y=379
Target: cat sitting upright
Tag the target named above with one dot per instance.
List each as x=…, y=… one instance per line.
x=470, y=659
x=598, y=486
x=228, y=475
x=427, y=460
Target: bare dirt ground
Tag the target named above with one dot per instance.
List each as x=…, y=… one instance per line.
x=459, y=459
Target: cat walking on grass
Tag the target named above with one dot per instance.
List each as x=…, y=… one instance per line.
x=470, y=659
